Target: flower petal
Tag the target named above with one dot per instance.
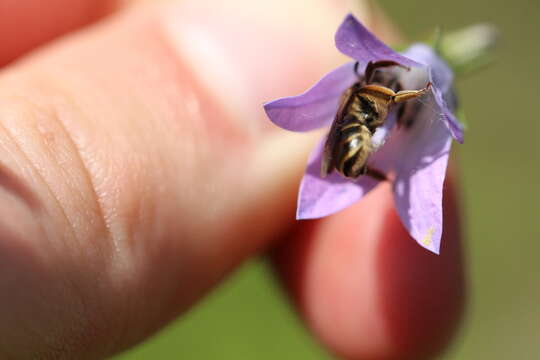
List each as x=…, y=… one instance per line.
x=354, y=40
x=441, y=77
x=317, y=106
x=420, y=174
x=320, y=197
x=455, y=127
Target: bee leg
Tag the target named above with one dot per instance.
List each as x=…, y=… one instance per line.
x=374, y=173
x=372, y=66
x=405, y=95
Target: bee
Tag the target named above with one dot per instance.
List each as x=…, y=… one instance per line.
x=363, y=108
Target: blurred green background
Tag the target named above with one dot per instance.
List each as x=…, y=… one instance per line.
x=248, y=317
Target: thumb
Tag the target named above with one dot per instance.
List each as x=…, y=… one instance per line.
x=138, y=167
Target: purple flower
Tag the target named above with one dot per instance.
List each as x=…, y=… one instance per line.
x=415, y=157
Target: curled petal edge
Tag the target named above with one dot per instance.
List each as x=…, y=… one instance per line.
x=453, y=124
x=355, y=40
x=440, y=75
x=314, y=108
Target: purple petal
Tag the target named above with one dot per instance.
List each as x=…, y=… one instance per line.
x=354, y=40
x=441, y=75
x=317, y=106
x=420, y=174
x=442, y=78
x=455, y=127
x=320, y=197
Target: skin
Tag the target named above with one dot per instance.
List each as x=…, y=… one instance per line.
x=122, y=142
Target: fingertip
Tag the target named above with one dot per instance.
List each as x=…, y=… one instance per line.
x=328, y=266
x=367, y=290
x=422, y=295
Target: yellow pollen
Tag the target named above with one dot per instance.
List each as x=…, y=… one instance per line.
x=428, y=237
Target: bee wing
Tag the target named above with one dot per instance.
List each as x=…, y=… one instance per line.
x=327, y=163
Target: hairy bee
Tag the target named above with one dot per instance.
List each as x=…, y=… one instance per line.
x=363, y=108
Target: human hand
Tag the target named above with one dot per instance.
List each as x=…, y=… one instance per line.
x=137, y=169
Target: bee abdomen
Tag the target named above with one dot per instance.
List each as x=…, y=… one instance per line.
x=354, y=149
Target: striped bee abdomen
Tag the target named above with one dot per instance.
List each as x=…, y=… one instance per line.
x=353, y=149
